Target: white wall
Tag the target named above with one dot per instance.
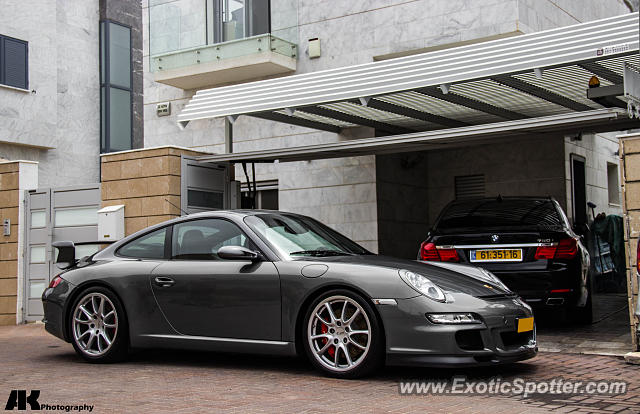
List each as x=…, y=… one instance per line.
x=63, y=111
x=598, y=150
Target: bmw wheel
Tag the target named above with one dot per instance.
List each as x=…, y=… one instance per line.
x=99, y=330
x=342, y=335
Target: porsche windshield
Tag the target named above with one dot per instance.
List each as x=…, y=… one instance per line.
x=296, y=236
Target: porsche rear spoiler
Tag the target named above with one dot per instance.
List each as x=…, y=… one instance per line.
x=67, y=252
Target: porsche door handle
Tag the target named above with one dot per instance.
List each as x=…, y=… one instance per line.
x=164, y=282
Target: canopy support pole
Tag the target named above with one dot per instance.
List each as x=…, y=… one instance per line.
x=228, y=146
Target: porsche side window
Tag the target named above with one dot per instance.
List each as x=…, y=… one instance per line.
x=201, y=239
x=150, y=246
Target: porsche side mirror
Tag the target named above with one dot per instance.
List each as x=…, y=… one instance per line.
x=66, y=254
x=237, y=253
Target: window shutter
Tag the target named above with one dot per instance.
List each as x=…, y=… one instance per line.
x=468, y=186
x=15, y=63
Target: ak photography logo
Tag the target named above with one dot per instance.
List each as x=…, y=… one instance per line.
x=19, y=400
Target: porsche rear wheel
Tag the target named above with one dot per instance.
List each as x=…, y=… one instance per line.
x=98, y=326
x=342, y=335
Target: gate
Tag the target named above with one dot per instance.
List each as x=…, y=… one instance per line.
x=206, y=187
x=54, y=214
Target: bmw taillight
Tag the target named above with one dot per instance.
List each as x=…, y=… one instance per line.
x=55, y=282
x=430, y=252
x=565, y=249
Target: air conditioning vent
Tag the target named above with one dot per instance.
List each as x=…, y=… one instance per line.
x=469, y=186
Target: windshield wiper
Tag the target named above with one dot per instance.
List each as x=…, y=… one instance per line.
x=321, y=253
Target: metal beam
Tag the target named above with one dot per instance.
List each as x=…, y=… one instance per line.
x=471, y=103
x=354, y=119
x=594, y=120
x=414, y=113
x=605, y=91
x=607, y=96
x=274, y=116
x=602, y=72
x=541, y=93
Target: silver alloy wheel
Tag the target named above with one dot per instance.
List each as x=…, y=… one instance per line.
x=95, y=324
x=339, y=333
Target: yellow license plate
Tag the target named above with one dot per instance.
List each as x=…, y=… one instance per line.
x=525, y=325
x=496, y=255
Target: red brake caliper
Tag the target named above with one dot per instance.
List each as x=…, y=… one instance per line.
x=332, y=349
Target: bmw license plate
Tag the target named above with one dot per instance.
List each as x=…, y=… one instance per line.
x=496, y=255
x=525, y=324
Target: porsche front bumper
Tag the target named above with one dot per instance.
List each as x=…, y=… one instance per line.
x=411, y=339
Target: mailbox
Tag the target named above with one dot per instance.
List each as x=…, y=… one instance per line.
x=111, y=223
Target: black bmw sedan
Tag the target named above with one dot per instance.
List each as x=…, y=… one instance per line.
x=284, y=284
x=526, y=241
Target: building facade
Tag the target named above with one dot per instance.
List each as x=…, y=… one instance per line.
x=354, y=194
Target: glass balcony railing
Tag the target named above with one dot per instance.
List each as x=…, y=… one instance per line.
x=221, y=51
x=189, y=32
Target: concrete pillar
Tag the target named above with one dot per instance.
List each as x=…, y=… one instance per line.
x=15, y=178
x=630, y=171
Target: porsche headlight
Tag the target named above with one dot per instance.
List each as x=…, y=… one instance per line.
x=422, y=285
x=494, y=280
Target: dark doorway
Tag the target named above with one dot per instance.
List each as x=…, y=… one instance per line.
x=579, y=190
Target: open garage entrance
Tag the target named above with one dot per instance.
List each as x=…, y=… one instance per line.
x=412, y=189
x=531, y=115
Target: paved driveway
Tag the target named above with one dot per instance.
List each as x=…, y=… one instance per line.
x=161, y=381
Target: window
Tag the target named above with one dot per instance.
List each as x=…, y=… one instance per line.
x=498, y=212
x=81, y=216
x=201, y=239
x=38, y=219
x=469, y=186
x=115, y=87
x=613, y=183
x=299, y=236
x=205, y=199
x=237, y=19
x=38, y=254
x=184, y=24
x=265, y=200
x=14, y=59
x=149, y=246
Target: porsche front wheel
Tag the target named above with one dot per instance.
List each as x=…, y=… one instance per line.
x=342, y=335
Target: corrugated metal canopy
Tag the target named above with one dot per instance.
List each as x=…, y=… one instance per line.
x=520, y=77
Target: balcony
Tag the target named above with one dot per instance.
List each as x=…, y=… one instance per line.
x=202, y=43
x=228, y=62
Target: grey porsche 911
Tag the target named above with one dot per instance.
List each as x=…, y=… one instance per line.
x=281, y=283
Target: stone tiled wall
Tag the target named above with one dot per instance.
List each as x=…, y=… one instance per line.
x=143, y=180
x=9, y=199
x=340, y=193
x=630, y=162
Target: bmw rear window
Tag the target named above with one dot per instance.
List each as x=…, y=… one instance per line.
x=476, y=214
